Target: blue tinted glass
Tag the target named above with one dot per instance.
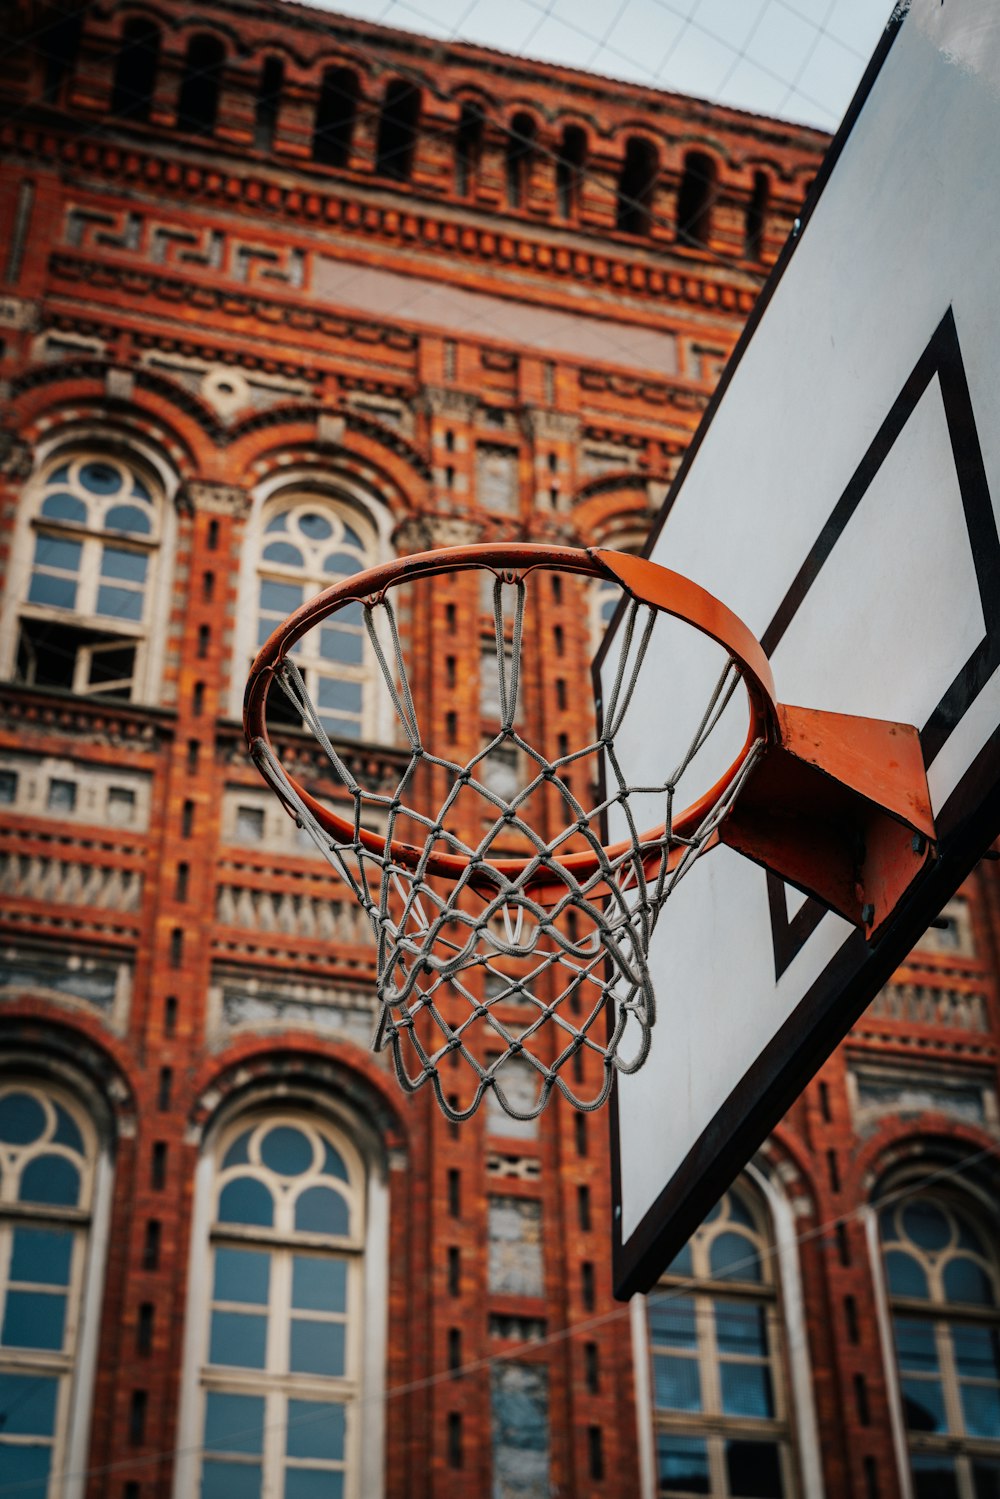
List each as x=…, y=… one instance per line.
x=52, y=1179
x=319, y=1285
x=968, y=1238
x=934, y=1477
x=242, y=1275
x=681, y=1263
x=66, y=1131
x=119, y=603
x=682, y=1465
x=352, y=614
x=41, y=1255
x=59, y=475
x=118, y=563
x=926, y=1225
x=22, y=1118
x=738, y=1210
x=887, y=1225
x=316, y=527
x=139, y=489
x=353, y=539
x=904, y=1274
x=333, y=1163
x=238, y=1340
x=740, y=1329
x=55, y=593
x=234, y=1423
x=315, y=1429
x=278, y=523
x=677, y=1384
x=916, y=1347
x=673, y=1321
x=29, y=1404
x=316, y=1347
x=25, y=1469
x=923, y=1405
x=977, y=1351
x=237, y=1154
x=33, y=1319
x=279, y=598
x=229, y=1480
x=286, y=1150
x=57, y=552
x=313, y=1483
x=985, y=1477
x=754, y=1470
x=246, y=1201
x=283, y=553
x=341, y=728
x=265, y=629
x=65, y=507
x=746, y=1389
x=341, y=564
x=100, y=478
x=342, y=697
x=733, y=1257
x=341, y=645
x=128, y=518
x=964, y=1280
x=981, y=1410
x=321, y=1210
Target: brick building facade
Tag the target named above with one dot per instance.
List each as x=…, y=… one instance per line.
x=275, y=279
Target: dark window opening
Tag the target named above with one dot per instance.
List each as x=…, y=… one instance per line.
x=587, y=1285
x=468, y=148
x=170, y=1015
x=595, y=1452
x=198, y=100
x=454, y=1439
x=454, y=1271
x=756, y=214
x=151, y=1245
x=335, y=116
x=165, y=1085
x=636, y=186
x=695, y=199
x=583, y=1207
x=454, y=1348
x=591, y=1368
x=59, y=43
x=569, y=170
x=520, y=155
x=137, y=1417
x=158, y=1166
x=397, y=130
x=265, y=119
x=136, y=67
x=84, y=661
x=144, y=1328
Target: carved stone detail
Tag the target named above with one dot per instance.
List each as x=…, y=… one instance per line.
x=550, y=426
x=16, y=313
x=421, y=533
x=214, y=499
x=330, y=428
x=16, y=460
x=456, y=405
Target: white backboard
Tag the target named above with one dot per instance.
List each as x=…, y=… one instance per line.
x=841, y=498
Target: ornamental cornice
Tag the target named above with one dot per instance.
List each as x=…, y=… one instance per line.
x=196, y=495
x=15, y=312
x=16, y=460
x=543, y=425
x=423, y=533
x=457, y=405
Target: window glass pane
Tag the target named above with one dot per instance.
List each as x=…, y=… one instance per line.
x=121, y=806
x=682, y=1465
x=246, y=1200
x=342, y=564
x=887, y=1225
x=62, y=506
x=41, y=1255
x=51, y=1179
x=242, y=1275
x=238, y=1340
x=313, y=1483
x=61, y=796
x=977, y=1351
x=740, y=1328
x=283, y=553
x=986, y=1477
x=100, y=478
x=22, y=1118
x=333, y=1162
x=342, y=697
x=934, y=1477
x=353, y=539
x=234, y=1423
x=66, y=1131
x=33, y=1320
x=139, y=489
x=916, y=1346
x=341, y=728
x=128, y=518
x=352, y=614
x=733, y=1257
x=923, y=1405
x=118, y=563
x=673, y=1321
x=25, y=1469
x=316, y=1347
x=754, y=1470
x=341, y=645
x=677, y=1382
x=926, y=1225
x=55, y=593
x=981, y=1410
x=905, y=1275
x=237, y=1154
x=277, y=523
x=964, y=1280
x=8, y=787
x=316, y=527
x=119, y=603
x=230, y=1480
x=57, y=552
x=287, y=1151
x=59, y=475
x=315, y=1429
x=738, y=1211
x=746, y=1389
x=321, y=1210
x=29, y=1403
x=279, y=598
x=319, y=1285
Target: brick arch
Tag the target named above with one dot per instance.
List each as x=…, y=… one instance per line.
x=65, y=1047
x=401, y=485
x=606, y=508
x=785, y=1163
x=929, y=1139
x=230, y=36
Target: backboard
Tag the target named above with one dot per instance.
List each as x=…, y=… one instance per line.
x=840, y=496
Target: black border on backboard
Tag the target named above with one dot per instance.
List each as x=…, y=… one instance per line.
x=968, y=822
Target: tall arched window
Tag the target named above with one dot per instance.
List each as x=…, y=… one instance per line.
x=720, y=1404
x=756, y=216
x=397, y=130
x=468, y=147
x=282, y=1344
x=267, y=105
x=942, y=1270
x=570, y=160
x=636, y=186
x=520, y=156
x=198, y=100
x=135, y=69
x=336, y=111
x=695, y=200
x=308, y=544
x=85, y=617
x=47, y=1160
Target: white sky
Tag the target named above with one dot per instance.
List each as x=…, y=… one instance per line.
x=799, y=59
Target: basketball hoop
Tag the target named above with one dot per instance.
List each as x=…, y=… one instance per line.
x=517, y=944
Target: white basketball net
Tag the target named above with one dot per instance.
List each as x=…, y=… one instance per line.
x=475, y=970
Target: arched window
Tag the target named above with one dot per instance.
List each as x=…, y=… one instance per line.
x=85, y=617
x=336, y=111
x=720, y=1405
x=198, y=100
x=58, y=45
x=268, y=102
x=47, y=1161
x=468, y=147
x=135, y=69
x=283, y=1341
x=695, y=199
x=943, y=1276
x=636, y=186
x=397, y=130
x=570, y=160
x=308, y=544
x=756, y=215
x=520, y=156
